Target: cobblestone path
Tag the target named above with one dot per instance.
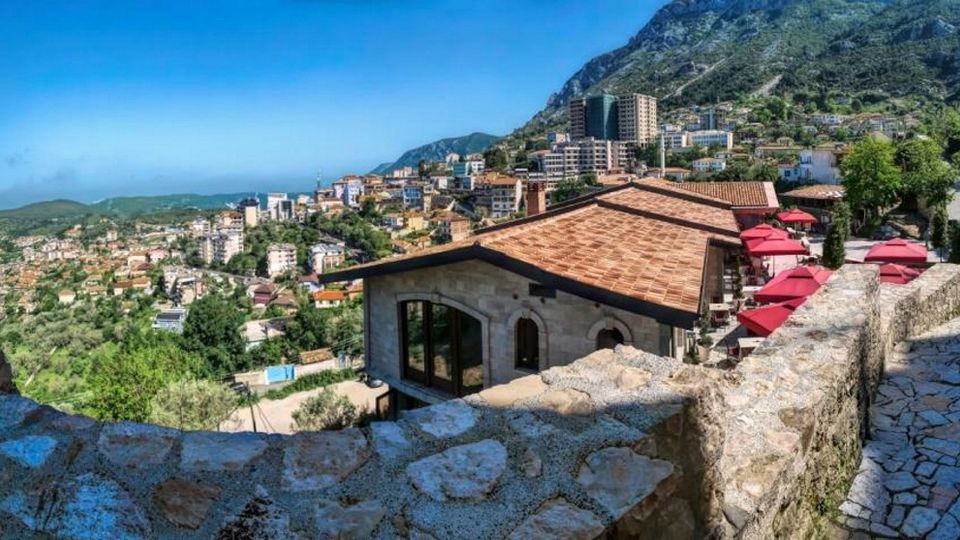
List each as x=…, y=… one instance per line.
x=909, y=480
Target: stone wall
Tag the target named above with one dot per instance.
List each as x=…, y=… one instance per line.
x=619, y=443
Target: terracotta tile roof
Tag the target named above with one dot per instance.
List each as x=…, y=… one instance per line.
x=330, y=295
x=739, y=194
x=641, y=242
x=817, y=191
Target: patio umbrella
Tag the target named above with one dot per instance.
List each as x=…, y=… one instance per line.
x=760, y=231
x=764, y=320
x=775, y=234
x=897, y=274
x=769, y=248
x=799, y=282
x=796, y=216
x=897, y=250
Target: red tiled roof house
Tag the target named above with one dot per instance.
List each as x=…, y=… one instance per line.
x=631, y=264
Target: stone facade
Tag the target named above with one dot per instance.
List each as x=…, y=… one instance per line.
x=619, y=444
x=568, y=324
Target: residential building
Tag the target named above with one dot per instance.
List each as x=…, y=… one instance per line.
x=594, y=116
x=221, y=245
x=818, y=199
x=349, y=189
x=326, y=257
x=709, y=165
x=171, y=320
x=418, y=196
x=451, y=226
x=710, y=139
x=66, y=296
x=637, y=119
x=328, y=298
x=820, y=165
x=673, y=137
x=281, y=258
x=677, y=174
x=712, y=119
x=505, y=194
x=588, y=155
x=577, y=115
x=250, y=208
x=557, y=137
x=255, y=333
x=464, y=169
x=541, y=292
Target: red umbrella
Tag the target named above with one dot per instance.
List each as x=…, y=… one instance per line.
x=769, y=248
x=799, y=282
x=760, y=231
x=897, y=250
x=775, y=234
x=764, y=320
x=796, y=216
x=895, y=273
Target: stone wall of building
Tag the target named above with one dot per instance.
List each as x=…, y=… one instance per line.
x=496, y=297
x=619, y=443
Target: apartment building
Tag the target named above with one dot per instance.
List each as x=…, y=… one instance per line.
x=349, y=189
x=464, y=169
x=326, y=257
x=281, y=258
x=637, y=118
x=418, y=196
x=221, y=245
x=250, y=208
x=577, y=113
x=505, y=195
x=584, y=156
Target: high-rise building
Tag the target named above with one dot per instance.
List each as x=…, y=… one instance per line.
x=637, y=118
x=602, y=118
x=577, y=111
x=712, y=119
x=631, y=118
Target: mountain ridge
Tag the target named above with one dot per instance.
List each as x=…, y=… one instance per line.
x=437, y=150
x=698, y=51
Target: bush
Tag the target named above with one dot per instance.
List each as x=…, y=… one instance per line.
x=193, y=405
x=326, y=410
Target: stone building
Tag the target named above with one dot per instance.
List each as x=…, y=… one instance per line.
x=631, y=265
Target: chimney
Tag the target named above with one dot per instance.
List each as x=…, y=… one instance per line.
x=536, y=198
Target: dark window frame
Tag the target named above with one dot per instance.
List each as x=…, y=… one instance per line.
x=521, y=345
x=456, y=387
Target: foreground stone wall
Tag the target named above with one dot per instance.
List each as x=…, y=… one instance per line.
x=620, y=444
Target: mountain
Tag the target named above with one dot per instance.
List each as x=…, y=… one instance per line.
x=701, y=51
x=128, y=206
x=57, y=209
x=437, y=150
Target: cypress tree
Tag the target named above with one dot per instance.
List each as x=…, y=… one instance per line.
x=834, y=252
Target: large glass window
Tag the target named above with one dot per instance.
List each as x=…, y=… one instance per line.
x=527, y=345
x=442, y=347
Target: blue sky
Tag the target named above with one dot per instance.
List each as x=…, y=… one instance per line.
x=124, y=97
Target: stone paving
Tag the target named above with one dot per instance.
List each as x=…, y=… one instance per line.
x=909, y=479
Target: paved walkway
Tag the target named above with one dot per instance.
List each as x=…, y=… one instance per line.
x=909, y=480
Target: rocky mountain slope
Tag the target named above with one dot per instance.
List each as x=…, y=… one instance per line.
x=437, y=150
x=700, y=51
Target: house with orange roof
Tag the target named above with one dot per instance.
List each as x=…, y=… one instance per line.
x=328, y=298
x=629, y=265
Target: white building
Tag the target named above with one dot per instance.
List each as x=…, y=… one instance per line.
x=710, y=138
x=572, y=159
x=637, y=118
x=273, y=201
x=222, y=245
x=709, y=165
x=281, y=258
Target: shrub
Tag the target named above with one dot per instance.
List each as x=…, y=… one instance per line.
x=326, y=410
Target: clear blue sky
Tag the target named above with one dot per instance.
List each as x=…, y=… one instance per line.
x=122, y=97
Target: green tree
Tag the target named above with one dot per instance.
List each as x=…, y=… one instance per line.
x=566, y=189
x=192, y=405
x=871, y=179
x=834, y=252
x=496, y=159
x=925, y=174
x=326, y=410
x=212, y=330
x=345, y=329
x=123, y=384
x=938, y=228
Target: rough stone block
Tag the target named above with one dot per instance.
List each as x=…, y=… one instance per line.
x=466, y=472
x=220, y=451
x=319, y=460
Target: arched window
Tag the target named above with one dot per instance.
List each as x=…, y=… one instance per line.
x=609, y=338
x=527, y=344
